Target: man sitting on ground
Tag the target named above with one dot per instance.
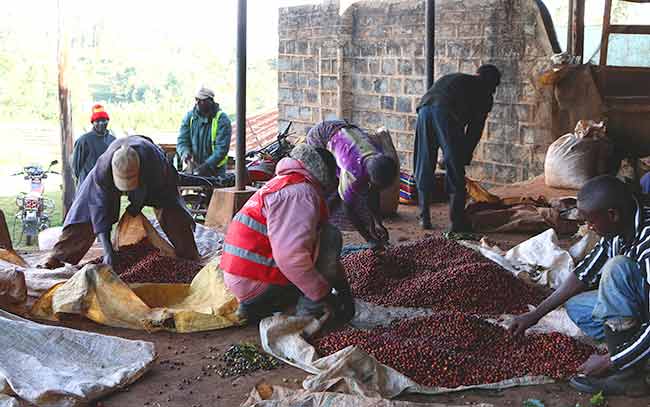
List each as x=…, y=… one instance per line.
x=279, y=248
x=618, y=309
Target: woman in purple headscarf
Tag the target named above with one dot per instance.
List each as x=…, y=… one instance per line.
x=363, y=171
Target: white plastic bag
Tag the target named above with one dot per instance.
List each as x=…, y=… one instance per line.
x=576, y=157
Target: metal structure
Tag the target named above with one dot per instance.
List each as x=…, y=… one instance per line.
x=240, y=151
x=430, y=41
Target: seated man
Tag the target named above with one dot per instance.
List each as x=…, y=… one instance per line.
x=279, y=248
x=138, y=168
x=363, y=171
x=618, y=309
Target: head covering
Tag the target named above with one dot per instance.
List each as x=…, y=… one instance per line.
x=312, y=162
x=126, y=168
x=204, y=93
x=98, y=113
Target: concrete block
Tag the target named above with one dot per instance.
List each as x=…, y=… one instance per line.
x=388, y=66
x=505, y=174
x=380, y=85
x=224, y=204
x=366, y=102
x=284, y=63
x=395, y=86
x=284, y=95
x=310, y=65
x=405, y=67
x=387, y=102
x=374, y=66
x=495, y=152
x=395, y=122
x=419, y=67
x=329, y=82
x=360, y=66
x=296, y=64
x=404, y=104
x=414, y=87
x=305, y=113
x=325, y=66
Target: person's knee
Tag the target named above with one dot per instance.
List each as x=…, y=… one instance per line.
x=618, y=269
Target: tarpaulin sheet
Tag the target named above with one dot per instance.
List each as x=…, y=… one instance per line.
x=539, y=259
x=97, y=293
x=54, y=366
x=350, y=370
x=264, y=395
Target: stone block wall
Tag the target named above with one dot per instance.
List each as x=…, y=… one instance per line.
x=368, y=66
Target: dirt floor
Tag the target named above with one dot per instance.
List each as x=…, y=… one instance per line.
x=163, y=385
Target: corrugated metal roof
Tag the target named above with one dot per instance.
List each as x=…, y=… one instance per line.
x=261, y=130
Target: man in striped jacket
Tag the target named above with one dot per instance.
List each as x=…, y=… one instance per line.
x=280, y=250
x=608, y=295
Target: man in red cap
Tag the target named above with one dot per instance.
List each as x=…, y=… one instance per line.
x=91, y=145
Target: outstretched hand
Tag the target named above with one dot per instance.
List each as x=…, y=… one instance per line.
x=522, y=322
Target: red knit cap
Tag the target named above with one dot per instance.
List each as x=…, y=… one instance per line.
x=98, y=113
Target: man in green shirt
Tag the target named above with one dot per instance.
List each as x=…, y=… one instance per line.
x=204, y=136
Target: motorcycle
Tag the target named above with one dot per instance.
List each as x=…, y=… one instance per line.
x=261, y=163
x=34, y=209
x=260, y=166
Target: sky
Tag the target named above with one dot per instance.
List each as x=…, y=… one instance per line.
x=181, y=21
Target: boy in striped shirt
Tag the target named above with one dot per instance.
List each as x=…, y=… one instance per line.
x=608, y=295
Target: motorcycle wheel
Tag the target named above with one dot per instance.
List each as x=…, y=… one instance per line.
x=197, y=206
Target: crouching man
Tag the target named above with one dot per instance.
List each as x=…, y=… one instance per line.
x=136, y=167
x=279, y=249
x=618, y=309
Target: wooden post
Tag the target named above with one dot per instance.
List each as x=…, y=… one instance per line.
x=578, y=29
x=570, y=23
x=65, y=106
x=604, y=43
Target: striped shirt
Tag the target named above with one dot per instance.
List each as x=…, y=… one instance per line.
x=589, y=270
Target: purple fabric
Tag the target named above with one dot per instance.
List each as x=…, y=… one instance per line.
x=645, y=183
x=351, y=147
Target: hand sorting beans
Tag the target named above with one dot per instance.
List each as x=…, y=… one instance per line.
x=143, y=263
x=455, y=349
x=439, y=274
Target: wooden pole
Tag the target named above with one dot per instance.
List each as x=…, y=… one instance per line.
x=65, y=106
x=569, y=31
x=578, y=29
x=604, y=43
